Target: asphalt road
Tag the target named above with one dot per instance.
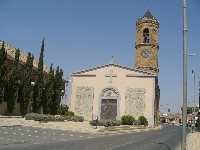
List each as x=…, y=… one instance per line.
x=166, y=139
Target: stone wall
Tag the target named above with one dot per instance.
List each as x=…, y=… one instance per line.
x=11, y=55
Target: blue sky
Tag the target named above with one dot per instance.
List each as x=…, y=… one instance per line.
x=80, y=34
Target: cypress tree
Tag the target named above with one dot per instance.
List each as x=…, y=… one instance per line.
x=58, y=90
x=13, y=83
x=26, y=87
x=2, y=71
x=55, y=93
x=39, y=84
x=49, y=91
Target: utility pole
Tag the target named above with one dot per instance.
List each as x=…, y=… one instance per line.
x=185, y=69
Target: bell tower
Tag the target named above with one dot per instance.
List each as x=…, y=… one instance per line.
x=146, y=44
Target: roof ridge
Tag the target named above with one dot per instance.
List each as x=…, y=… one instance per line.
x=113, y=64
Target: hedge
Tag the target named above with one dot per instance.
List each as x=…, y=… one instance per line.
x=143, y=120
x=45, y=118
x=106, y=123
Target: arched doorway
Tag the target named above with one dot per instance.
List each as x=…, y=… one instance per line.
x=109, y=104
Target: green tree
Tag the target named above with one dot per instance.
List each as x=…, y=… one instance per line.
x=39, y=84
x=190, y=110
x=59, y=85
x=13, y=83
x=2, y=71
x=26, y=89
x=49, y=91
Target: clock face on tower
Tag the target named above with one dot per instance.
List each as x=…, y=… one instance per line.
x=146, y=53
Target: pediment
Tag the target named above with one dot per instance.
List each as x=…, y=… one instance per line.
x=129, y=72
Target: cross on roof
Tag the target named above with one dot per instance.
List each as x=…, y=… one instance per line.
x=111, y=75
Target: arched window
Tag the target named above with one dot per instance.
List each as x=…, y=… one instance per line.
x=146, y=35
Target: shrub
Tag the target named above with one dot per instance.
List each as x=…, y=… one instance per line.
x=111, y=123
x=69, y=113
x=42, y=117
x=74, y=118
x=127, y=120
x=105, y=123
x=62, y=109
x=143, y=120
x=59, y=118
x=31, y=116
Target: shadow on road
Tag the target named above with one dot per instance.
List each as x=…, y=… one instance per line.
x=167, y=146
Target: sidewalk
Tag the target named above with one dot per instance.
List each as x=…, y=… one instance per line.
x=83, y=127
x=193, y=141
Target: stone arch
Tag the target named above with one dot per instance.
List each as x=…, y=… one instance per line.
x=109, y=97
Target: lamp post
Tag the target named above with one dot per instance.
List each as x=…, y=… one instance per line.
x=29, y=109
x=185, y=69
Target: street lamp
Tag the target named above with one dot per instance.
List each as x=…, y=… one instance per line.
x=32, y=83
x=29, y=109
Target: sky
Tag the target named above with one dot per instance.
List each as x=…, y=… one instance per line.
x=80, y=34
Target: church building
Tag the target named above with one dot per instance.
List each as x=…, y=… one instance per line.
x=110, y=91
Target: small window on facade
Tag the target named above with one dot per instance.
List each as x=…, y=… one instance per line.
x=146, y=35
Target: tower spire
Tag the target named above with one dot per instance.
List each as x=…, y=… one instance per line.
x=148, y=15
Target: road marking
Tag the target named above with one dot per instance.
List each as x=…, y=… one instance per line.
x=118, y=146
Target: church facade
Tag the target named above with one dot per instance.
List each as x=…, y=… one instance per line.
x=111, y=90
